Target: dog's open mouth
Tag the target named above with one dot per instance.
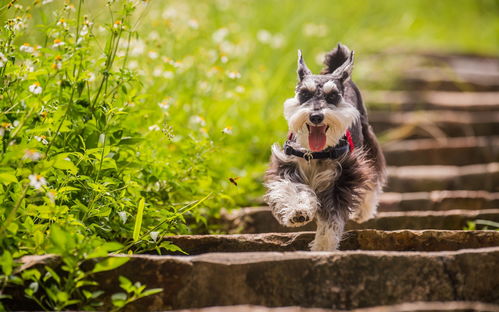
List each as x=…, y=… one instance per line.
x=317, y=137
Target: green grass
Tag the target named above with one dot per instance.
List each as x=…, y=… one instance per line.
x=153, y=107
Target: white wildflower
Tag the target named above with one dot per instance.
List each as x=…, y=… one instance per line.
x=198, y=120
x=37, y=181
x=29, y=65
x=154, y=128
x=233, y=75
x=166, y=103
x=58, y=43
x=42, y=139
x=227, y=130
x=168, y=74
x=154, y=235
x=26, y=47
x=193, y=24
x=3, y=60
x=15, y=24
x=32, y=154
x=90, y=77
x=219, y=35
x=52, y=195
x=133, y=64
x=240, y=89
x=62, y=22
x=264, y=36
x=277, y=41
x=224, y=59
x=153, y=55
x=158, y=71
x=47, y=1
x=123, y=216
x=315, y=30
x=84, y=30
x=153, y=35
x=137, y=47
x=35, y=88
x=118, y=25
x=169, y=13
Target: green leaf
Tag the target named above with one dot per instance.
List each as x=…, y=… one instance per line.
x=58, y=237
x=119, y=299
x=138, y=219
x=6, y=262
x=7, y=178
x=169, y=246
x=64, y=163
x=53, y=274
x=125, y=283
x=110, y=263
x=98, y=252
x=112, y=246
x=151, y=291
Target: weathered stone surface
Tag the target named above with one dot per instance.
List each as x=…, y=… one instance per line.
x=428, y=178
x=433, y=100
x=260, y=220
x=456, y=73
x=340, y=280
x=450, y=151
x=197, y=244
x=458, y=306
x=425, y=240
x=449, y=80
x=404, y=240
x=429, y=124
x=419, y=220
x=252, y=308
x=439, y=200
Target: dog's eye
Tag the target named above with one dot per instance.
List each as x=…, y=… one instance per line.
x=305, y=95
x=333, y=98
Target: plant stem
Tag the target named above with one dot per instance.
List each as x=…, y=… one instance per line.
x=12, y=213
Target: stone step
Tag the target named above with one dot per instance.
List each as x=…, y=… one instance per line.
x=439, y=200
x=446, y=79
x=455, y=306
x=432, y=100
x=432, y=200
x=338, y=280
x=261, y=220
x=403, y=240
x=448, y=151
x=429, y=178
x=441, y=125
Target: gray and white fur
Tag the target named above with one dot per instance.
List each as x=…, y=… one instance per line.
x=328, y=191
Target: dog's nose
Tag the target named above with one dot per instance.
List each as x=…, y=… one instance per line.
x=316, y=118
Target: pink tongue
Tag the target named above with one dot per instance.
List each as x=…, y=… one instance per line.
x=317, y=138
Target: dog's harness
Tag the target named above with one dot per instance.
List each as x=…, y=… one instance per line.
x=344, y=146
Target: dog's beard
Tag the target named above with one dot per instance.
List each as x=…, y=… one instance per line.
x=336, y=121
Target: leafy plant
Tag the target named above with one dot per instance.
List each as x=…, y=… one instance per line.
x=133, y=292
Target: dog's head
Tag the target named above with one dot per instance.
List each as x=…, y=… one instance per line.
x=319, y=114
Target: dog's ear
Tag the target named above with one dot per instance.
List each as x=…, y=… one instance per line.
x=302, y=67
x=339, y=63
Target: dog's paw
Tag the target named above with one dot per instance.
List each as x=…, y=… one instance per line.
x=299, y=218
x=291, y=216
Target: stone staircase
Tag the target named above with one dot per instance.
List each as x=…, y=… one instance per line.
x=442, y=148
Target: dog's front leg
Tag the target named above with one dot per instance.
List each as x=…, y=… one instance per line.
x=293, y=204
x=328, y=235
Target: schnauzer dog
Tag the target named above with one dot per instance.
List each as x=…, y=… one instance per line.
x=331, y=167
